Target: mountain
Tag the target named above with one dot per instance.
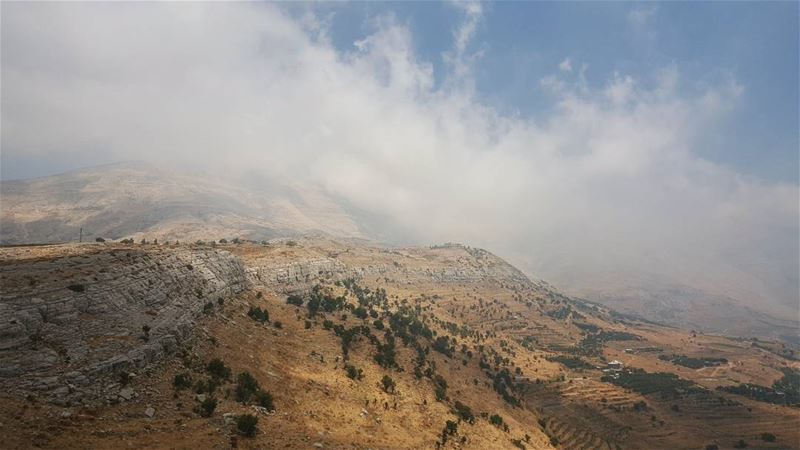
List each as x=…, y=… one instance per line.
x=139, y=200
x=331, y=343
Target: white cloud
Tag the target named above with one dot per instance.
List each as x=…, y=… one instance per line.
x=565, y=65
x=459, y=59
x=640, y=16
x=605, y=182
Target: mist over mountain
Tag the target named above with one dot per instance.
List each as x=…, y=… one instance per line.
x=453, y=225
x=141, y=201
x=606, y=191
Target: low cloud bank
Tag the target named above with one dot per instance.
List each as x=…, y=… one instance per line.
x=605, y=190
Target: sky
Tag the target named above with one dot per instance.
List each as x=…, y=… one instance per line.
x=580, y=140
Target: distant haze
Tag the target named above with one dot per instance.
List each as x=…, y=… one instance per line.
x=603, y=193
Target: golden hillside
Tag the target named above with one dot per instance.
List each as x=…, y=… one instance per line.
x=334, y=344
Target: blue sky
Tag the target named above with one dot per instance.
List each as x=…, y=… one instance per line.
x=755, y=43
x=709, y=43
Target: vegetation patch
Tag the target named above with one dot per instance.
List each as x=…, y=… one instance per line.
x=668, y=385
x=247, y=424
x=207, y=407
x=497, y=420
x=182, y=381
x=249, y=391
x=693, y=363
x=258, y=314
x=464, y=412
x=217, y=369
x=76, y=287
x=570, y=362
x=785, y=391
x=353, y=373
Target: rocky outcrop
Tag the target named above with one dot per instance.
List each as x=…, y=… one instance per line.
x=74, y=314
x=295, y=273
x=471, y=265
x=66, y=320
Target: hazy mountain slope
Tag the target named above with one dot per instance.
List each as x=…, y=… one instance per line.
x=137, y=199
x=695, y=309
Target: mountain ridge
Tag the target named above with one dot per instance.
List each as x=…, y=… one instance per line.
x=354, y=344
x=138, y=200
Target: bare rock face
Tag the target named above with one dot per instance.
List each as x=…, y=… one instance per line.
x=89, y=311
x=449, y=263
x=74, y=314
x=294, y=273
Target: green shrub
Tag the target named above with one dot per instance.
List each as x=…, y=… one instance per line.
x=440, y=388
x=258, y=314
x=246, y=387
x=442, y=345
x=360, y=312
x=450, y=428
x=388, y=384
x=124, y=378
x=386, y=353
x=353, y=373
x=217, y=369
x=246, y=424
x=464, y=412
x=248, y=391
x=768, y=437
x=208, y=406
x=182, y=381
x=294, y=300
x=265, y=400
x=76, y=287
x=498, y=421
x=208, y=386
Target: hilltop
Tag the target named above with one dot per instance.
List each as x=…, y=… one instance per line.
x=335, y=343
x=139, y=200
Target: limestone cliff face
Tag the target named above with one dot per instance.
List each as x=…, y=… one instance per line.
x=451, y=263
x=72, y=314
x=291, y=274
x=66, y=319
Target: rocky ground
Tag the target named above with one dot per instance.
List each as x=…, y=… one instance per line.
x=109, y=346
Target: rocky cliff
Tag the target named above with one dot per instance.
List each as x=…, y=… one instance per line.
x=71, y=313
